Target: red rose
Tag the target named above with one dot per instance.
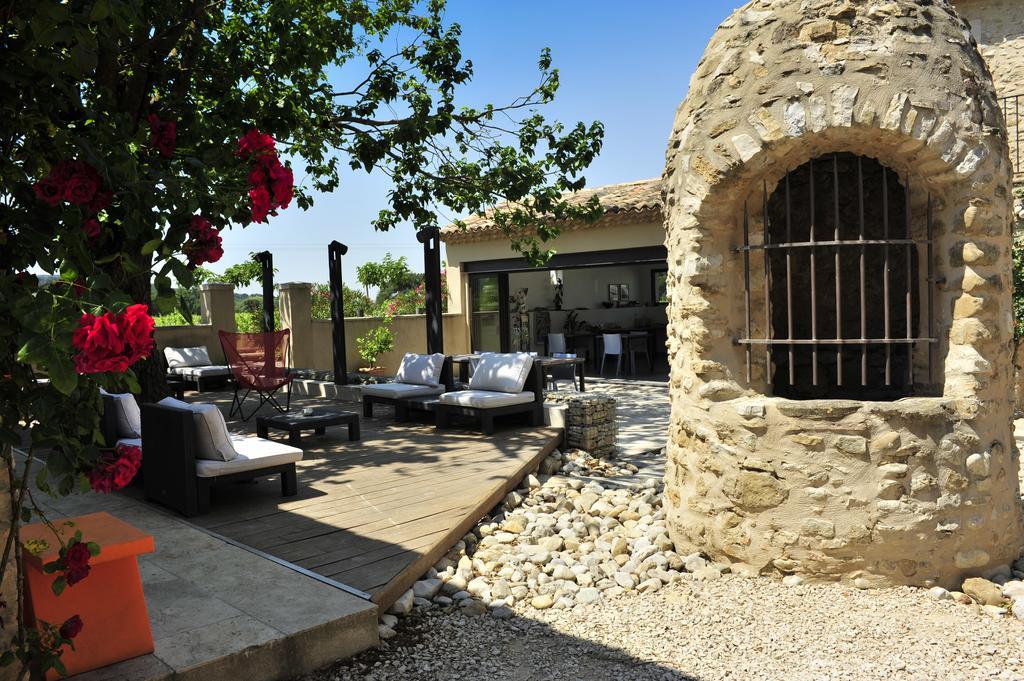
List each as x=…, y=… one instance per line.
x=71, y=628
x=255, y=143
x=163, y=135
x=76, y=562
x=100, y=201
x=82, y=185
x=91, y=227
x=49, y=189
x=282, y=184
x=260, y=198
x=114, y=472
x=136, y=326
x=205, y=243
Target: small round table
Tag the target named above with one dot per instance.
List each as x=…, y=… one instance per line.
x=318, y=422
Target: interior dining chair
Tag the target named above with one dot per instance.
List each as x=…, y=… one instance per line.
x=637, y=343
x=556, y=343
x=612, y=346
x=562, y=372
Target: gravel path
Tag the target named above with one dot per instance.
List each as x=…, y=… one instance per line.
x=733, y=628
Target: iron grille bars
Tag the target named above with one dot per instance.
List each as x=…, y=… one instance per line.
x=803, y=345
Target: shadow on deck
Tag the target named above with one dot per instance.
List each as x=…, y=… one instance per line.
x=377, y=513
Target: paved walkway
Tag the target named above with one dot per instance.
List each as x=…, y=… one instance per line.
x=643, y=410
x=218, y=611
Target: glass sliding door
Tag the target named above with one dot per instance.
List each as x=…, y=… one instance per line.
x=488, y=301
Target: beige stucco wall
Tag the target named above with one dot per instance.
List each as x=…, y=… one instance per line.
x=921, y=490
x=217, y=312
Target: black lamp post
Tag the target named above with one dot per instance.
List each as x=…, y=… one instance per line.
x=431, y=240
x=335, y=250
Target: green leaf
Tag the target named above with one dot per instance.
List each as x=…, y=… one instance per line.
x=59, y=585
x=94, y=548
x=100, y=10
x=62, y=373
x=151, y=246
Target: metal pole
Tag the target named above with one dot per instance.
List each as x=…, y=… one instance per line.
x=885, y=276
x=266, y=259
x=863, y=277
x=746, y=283
x=767, y=291
x=789, y=285
x=431, y=240
x=814, y=287
x=909, y=298
x=839, y=287
x=335, y=250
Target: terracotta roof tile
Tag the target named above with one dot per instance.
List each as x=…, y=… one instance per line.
x=623, y=202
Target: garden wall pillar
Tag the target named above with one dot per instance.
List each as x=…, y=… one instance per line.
x=217, y=305
x=297, y=315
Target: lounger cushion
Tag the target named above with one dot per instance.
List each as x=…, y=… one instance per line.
x=187, y=357
x=401, y=391
x=485, y=399
x=201, y=372
x=213, y=441
x=420, y=369
x=502, y=372
x=130, y=442
x=126, y=413
x=254, y=453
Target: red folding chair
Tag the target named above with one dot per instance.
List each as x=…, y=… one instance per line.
x=257, y=365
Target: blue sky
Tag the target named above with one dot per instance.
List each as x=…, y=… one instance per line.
x=625, y=64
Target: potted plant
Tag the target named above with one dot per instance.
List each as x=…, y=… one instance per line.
x=372, y=345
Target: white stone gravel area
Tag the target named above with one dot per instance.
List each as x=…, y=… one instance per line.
x=732, y=628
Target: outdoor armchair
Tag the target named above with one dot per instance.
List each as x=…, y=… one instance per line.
x=419, y=378
x=502, y=384
x=257, y=365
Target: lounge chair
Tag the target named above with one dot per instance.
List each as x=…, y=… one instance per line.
x=502, y=384
x=186, y=450
x=257, y=365
x=420, y=378
x=193, y=367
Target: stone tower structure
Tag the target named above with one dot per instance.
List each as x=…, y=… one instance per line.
x=838, y=221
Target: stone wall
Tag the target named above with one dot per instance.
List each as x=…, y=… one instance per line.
x=921, y=490
x=590, y=422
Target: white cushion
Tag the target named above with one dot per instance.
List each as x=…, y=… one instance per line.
x=126, y=413
x=420, y=369
x=501, y=372
x=401, y=391
x=254, y=453
x=129, y=442
x=187, y=357
x=213, y=442
x=201, y=372
x=485, y=399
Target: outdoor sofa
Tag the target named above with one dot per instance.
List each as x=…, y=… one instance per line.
x=419, y=378
x=190, y=367
x=501, y=384
x=187, y=449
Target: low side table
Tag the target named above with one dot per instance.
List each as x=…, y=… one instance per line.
x=318, y=422
x=109, y=600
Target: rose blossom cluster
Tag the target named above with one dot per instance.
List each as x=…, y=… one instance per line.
x=75, y=563
x=112, y=342
x=204, y=244
x=163, y=135
x=114, y=471
x=271, y=184
x=79, y=184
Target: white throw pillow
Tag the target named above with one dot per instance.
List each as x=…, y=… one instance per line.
x=198, y=356
x=212, y=439
x=501, y=372
x=126, y=414
x=420, y=369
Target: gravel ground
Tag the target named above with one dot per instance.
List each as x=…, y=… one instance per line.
x=733, y=628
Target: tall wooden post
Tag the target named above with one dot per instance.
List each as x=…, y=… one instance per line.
x=335, y=250
x=266, y=259
x=431, y=240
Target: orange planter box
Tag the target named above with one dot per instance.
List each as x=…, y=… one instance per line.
x=109, y=601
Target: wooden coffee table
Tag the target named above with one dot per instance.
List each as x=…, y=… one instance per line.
x=318, y=422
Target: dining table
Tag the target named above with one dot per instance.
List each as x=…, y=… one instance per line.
x=464, y=361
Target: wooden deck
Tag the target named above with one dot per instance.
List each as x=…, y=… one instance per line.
x=376, y=514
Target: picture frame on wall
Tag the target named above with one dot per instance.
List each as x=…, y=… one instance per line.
x=613, y=294
x=624, y=293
